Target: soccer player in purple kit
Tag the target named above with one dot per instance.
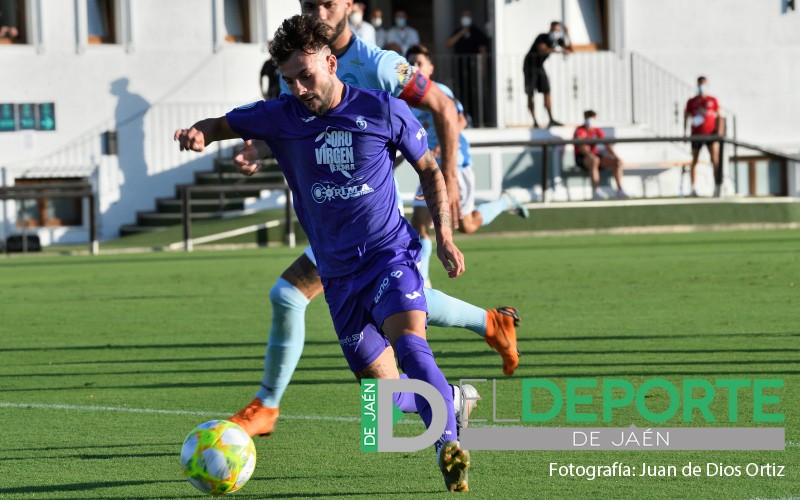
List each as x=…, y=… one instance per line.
x=366, y=251
x=365, y=66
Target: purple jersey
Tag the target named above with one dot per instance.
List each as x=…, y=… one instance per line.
x=339, y=167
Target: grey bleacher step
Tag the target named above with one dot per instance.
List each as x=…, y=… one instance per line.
x=129, y=229
x=168, y=219
x=199, y=205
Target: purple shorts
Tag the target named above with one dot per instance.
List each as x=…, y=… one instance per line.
x=388, y=284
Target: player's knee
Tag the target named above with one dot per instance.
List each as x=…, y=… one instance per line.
x=284, y=294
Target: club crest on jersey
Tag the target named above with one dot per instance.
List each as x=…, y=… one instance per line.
x=336, y=151
x=361, y=123
x=404, y=73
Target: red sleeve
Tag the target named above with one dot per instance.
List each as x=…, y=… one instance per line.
x=599, y=134
x=416, y=90
x=579, y=133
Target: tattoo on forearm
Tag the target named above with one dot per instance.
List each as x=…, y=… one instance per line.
x=435, y=191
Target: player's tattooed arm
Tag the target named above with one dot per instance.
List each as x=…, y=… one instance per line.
x=435, y=191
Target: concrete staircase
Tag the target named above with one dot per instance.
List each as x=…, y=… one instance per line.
x=206, y=206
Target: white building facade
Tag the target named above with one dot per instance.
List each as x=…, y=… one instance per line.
x=144, y=68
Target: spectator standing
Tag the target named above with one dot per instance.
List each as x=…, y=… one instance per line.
x=401, y=34
x=706, y=119
x=470, y=45
x=593, y=157
x=380, y=32
x=359, y=26
x=535, y=76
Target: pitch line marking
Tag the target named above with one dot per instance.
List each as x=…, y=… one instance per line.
x=217, y=414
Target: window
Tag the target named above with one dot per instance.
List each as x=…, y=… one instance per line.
x=587, y=21
x=46, y=212
x=101, y=22
x=12, y=22
x=237, y=21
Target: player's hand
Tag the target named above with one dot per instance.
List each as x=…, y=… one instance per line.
x=246, y=158
x=454, y=200
x=451, y=257
x=190, y=140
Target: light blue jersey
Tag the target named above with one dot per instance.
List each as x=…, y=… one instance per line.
x=426, y=119
x=366, y=66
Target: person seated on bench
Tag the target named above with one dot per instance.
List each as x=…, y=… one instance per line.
x=593, y=157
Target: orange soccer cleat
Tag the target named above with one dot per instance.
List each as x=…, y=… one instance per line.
x=501, y=335
x=256, y=419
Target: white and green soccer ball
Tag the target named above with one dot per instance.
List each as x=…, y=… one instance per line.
x=218, y=457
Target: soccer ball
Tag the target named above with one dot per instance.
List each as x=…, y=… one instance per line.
x=218, y=457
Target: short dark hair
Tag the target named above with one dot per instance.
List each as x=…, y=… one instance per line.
x=555, y=23
x=418, y=49
x=302, y=33
x=701, y=79
x=589, y=113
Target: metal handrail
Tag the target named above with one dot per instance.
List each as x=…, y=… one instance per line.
x=546, y=144
x=186, y=206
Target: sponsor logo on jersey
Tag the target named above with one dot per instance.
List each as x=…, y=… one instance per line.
x=336, y=151
x=328, y=191
x=385, y=284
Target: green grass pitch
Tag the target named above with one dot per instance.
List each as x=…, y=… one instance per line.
x=109, y=361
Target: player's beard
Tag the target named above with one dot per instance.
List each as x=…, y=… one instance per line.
x=321, y=103
x=336, y=31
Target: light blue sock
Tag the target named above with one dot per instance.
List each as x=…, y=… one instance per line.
x=489, y=211
x=286, y=338
x=425, y=257
x=447, y=311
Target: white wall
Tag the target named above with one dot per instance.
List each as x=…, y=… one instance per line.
x=749, y=50
x=172, y=58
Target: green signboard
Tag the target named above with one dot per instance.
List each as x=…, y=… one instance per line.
x=47, y=116
x=8, y=117
x=27, y=116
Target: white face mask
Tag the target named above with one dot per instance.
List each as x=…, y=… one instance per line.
x=555, y=35
x=466, y=21
x=400, y=22
x=589, y=123
x=356, y=18
x=702, y=89
x=377, y=22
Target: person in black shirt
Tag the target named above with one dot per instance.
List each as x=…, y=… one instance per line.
x=533, y=68
x=470, y=45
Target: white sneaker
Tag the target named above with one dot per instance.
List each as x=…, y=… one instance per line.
x=599, y=194
x=622, y=195
x=465, y=399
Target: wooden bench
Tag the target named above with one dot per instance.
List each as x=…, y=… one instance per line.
x=646, y=171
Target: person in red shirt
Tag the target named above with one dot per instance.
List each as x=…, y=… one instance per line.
x=706, y=119
x=593, y=157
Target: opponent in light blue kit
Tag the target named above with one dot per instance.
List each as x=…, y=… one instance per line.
x=471, y=218
x=335, y=145
x=365, y=66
